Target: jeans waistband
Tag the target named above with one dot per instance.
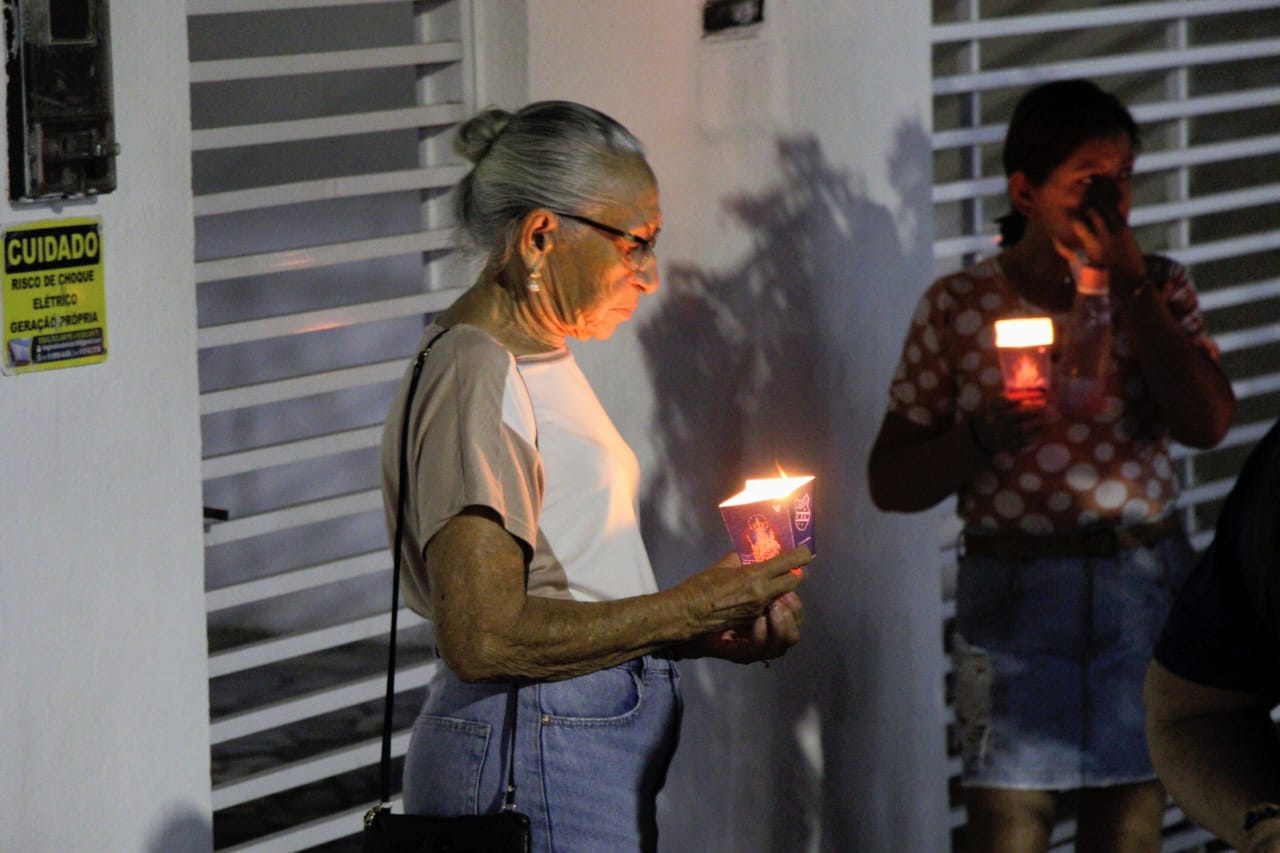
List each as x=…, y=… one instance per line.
x=1084, y=542
x=658, y=661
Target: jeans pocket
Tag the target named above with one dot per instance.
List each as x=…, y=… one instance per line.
x=601, y=698
x=443, y=765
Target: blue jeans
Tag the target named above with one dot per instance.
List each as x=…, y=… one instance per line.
x=1050, y=655
x=591, y=753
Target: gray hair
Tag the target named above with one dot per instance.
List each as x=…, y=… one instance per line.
x=554, y=154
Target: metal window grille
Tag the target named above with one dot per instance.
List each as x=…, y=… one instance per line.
x=321, y=175
x=1200, y=77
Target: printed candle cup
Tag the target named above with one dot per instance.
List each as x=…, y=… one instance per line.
x=1024, y=346
x=770, y=516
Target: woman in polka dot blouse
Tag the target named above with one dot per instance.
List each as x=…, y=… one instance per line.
x=1071, y=549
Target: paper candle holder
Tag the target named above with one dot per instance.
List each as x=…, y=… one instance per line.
x=769, y=517
x=1024, y=346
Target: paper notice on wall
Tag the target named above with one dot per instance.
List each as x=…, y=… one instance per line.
x=54, y=300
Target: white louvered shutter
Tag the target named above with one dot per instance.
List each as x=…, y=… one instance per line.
x=322, y=168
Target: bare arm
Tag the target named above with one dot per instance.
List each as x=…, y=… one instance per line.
x=488, y=629
x=1193, y=394
x=902, y=454
x=1216, y=752
x=912, y=468
x=1188, y=386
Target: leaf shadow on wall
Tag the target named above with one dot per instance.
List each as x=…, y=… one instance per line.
x=752, y=367
x=182, y=828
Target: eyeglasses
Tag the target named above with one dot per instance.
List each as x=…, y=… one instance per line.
x=638, y=255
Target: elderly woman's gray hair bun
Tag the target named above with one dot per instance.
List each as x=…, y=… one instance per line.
x=476, y=136
x=557, y=155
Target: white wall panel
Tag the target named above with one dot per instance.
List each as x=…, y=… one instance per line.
x=104, y=703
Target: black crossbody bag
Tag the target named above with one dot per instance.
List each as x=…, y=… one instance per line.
x=507, y=831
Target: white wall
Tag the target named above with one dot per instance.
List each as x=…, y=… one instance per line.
x=103, y=709
x=794, y=168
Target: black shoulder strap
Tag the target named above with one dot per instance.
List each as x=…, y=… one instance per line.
x=384, y=781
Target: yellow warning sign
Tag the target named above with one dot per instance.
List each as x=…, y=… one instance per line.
x=54, y=299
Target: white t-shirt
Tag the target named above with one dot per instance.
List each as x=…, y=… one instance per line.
x=528, y=439
x=589, y=537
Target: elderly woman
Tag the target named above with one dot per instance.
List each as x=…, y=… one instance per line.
x=521, y=541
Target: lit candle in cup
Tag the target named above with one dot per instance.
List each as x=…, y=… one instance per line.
x=770, y=516
x=1024, y=345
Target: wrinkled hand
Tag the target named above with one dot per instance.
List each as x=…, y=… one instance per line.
x=1005, y=425
x=767, y=637
x=728, y=596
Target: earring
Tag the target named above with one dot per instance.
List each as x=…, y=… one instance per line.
x=535, y=281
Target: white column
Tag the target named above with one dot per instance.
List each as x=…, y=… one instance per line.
x=104, y=710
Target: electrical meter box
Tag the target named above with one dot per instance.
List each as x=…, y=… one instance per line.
x=61, y=126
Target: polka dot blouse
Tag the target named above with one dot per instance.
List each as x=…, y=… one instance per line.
x=1113, y=467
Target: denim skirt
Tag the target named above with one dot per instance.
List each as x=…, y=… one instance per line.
x=1049, y=657
x=591, y=753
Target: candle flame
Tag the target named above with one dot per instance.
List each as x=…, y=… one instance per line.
x=1024, y=332
x=766, y=489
